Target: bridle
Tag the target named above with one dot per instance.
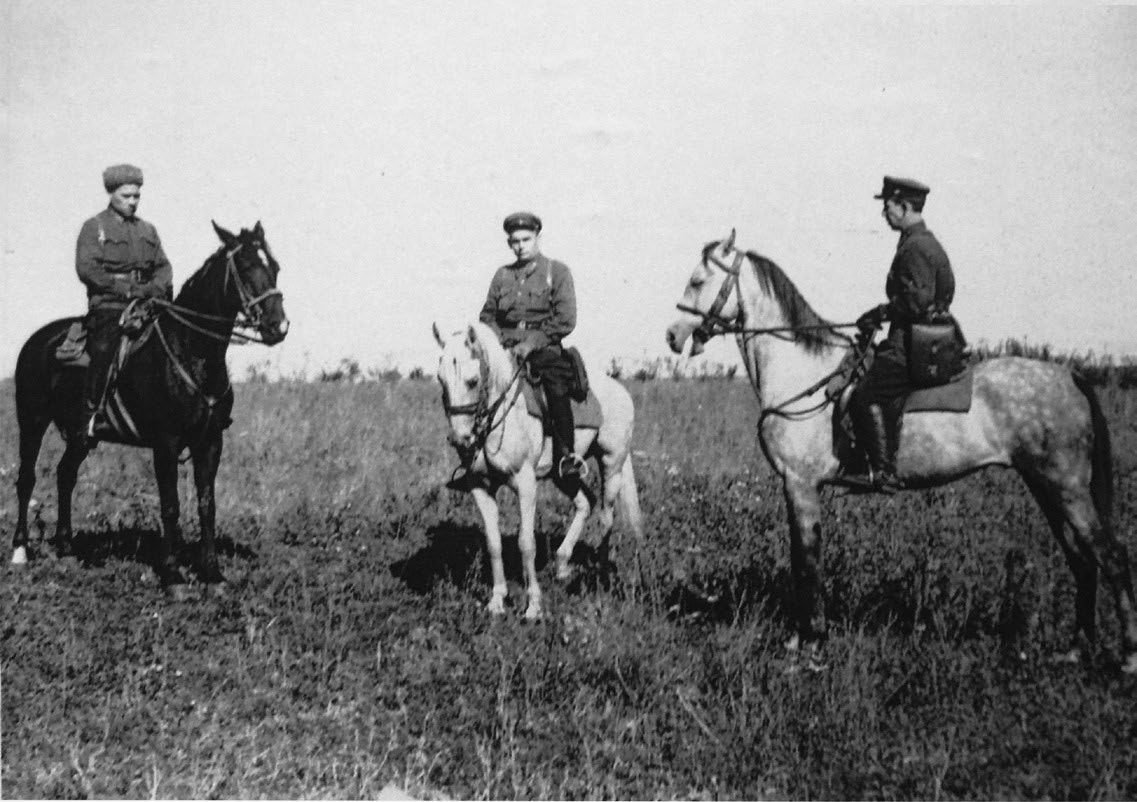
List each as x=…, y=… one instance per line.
x=481, y=410
x=713, y=321
x=248, y=318
x=715, y=324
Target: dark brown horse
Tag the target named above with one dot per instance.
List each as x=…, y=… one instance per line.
x=175, y=388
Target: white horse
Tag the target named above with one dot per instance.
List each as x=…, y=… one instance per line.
x=1030, y=415
x=501, y=443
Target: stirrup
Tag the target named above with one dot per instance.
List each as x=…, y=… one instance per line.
x=578, y=468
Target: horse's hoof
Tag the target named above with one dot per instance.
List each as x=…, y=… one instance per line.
x=496, y=606
x=1071, y=657
x=564, y=573
x=534, y=614
x=19, y=556
x=179, y=592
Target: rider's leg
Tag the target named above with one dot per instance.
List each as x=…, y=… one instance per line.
x=102, y=340
x=556, y=372
x=875, y=409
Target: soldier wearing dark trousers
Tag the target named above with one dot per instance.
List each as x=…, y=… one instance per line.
x=920, y=288
x=118, y=257
x=531, y=303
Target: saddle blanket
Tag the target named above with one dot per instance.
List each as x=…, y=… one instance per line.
x=587, y=415
x=955, y=396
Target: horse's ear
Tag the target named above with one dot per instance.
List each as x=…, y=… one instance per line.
x=226, y=236
x=729, y=244
x=258, y=230
x=438, y=335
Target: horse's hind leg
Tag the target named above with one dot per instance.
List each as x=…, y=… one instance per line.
x=1095, y=546
x=582, y=508
x=1078, y=557
x=31, y=439
x=1096, y=538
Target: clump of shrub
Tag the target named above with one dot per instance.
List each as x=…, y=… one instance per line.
x=1098, y=369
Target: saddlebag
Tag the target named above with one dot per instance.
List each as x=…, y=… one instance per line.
x=935, y=353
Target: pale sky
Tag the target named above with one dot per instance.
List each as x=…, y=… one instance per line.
x=381, y=144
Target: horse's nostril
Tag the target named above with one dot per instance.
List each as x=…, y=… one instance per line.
x=283, y=327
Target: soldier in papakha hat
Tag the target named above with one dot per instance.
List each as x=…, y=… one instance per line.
x=118, y=257
x=920, y=288
x=531, y=303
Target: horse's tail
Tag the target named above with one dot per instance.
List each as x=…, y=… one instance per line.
x=1101, y=479
x=630, y=498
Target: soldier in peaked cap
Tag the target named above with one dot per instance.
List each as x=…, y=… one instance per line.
x=920, y=287
x=118, y=257
x=531, y=303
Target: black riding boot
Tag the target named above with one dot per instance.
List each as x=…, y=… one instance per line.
x=878, y=436
x=882, y=456
x=566, y=465
x=102, y=339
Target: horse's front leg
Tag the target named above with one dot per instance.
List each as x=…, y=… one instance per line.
x=803, y=503
x=66, y=474
x=487, y=506
x=206, y=458
x=525, y=483
x=166, y=472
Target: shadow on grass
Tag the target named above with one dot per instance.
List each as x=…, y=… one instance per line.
x=455, y=553
x=727, y=600
x=142, y=545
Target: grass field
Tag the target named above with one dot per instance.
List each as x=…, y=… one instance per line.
x=353, y=651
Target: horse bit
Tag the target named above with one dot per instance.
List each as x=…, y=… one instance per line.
x=482, y=412
x=714, y=323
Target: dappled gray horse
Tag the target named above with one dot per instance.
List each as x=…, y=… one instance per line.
x=1033, y=416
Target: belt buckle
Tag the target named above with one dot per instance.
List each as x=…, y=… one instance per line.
x=522, y=326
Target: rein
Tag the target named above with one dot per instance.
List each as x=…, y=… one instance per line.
x=715, y=324
x=483, y=413
x=247, y=318
x=249, y=312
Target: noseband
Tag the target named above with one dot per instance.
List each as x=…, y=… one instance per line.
x=480, y=409
x=713, y=321
x=250, y=304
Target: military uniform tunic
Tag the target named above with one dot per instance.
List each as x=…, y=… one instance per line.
x=534, y=301
x=919, y=283
x=120, y=258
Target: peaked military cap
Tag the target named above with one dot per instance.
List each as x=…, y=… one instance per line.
x=119, y=174
x=525, y=220
x=896, y=188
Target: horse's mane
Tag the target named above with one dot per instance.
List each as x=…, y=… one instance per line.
x=795, y=308
x=497, y=359
x=189, y=286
